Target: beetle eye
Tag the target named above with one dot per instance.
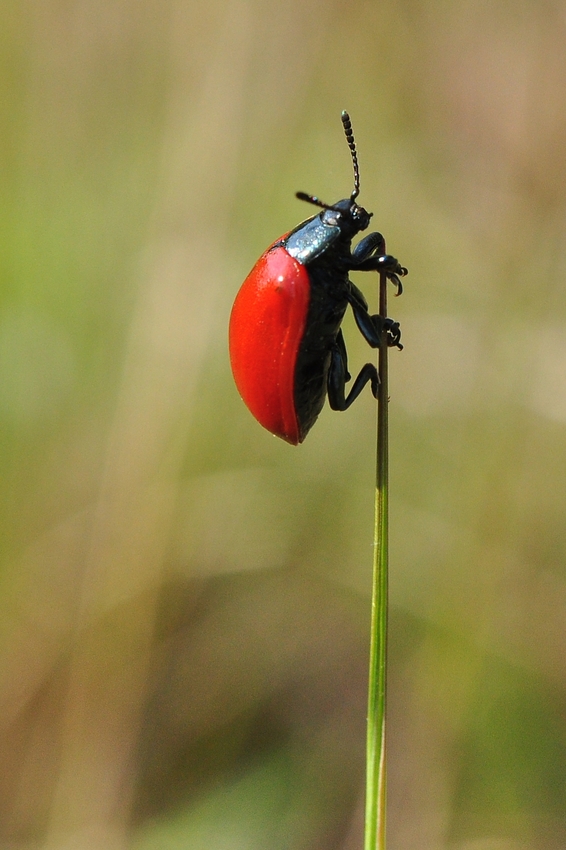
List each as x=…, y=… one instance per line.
x=360, y=216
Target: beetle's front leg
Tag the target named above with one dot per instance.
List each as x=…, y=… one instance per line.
x=373, y=243
x=387, y=264
x=382, y=263
x=369, y=255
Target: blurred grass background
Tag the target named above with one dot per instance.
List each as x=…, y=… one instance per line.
x=184, y=598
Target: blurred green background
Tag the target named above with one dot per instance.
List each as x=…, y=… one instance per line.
x=184, y=598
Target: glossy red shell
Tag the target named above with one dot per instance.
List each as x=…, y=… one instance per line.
x=266, y=328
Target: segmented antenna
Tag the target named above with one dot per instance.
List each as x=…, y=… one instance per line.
x=312, y=199
x=352, y=145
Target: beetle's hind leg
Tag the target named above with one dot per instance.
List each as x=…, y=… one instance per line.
x=338, y=375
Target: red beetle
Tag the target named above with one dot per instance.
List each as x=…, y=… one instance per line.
x=286, y=345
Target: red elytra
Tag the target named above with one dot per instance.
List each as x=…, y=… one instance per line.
x=267, y=325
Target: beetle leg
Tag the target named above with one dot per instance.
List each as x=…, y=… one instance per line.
x=356, y=297
x=387, y=264
x=396, y=281
x=342, y=349
x=393, y=332
x=337, y=379
x=370, y=244
x=383, y=263
x=371, y=327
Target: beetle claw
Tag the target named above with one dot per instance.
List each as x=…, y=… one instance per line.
x=395, y=280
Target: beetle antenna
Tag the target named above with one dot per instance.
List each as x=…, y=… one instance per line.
x=352, y=145
x=312, y=199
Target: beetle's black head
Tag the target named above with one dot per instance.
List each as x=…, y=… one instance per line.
x=346, y=214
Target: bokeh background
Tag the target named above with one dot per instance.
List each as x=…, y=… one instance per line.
x=184, y=600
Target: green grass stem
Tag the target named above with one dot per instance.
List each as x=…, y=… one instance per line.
x=376, y=777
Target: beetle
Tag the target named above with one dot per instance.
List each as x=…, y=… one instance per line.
x=287, y=349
